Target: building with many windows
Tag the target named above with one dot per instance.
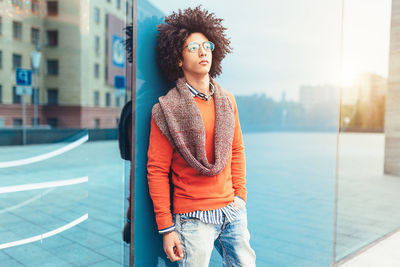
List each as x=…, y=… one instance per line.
x=82, y=51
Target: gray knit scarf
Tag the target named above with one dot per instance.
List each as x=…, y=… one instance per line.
x=180, y=121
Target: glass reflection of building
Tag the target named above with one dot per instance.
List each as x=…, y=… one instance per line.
x=79, y=61
x=363, y=103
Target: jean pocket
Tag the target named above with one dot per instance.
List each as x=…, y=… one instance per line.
x=185, y=218
x=188, y=222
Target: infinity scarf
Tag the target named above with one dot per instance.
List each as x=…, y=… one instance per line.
x=180, y=121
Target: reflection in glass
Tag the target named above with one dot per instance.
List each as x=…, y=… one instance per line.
x=284, y=73
x=367, y=199
x=58, y=63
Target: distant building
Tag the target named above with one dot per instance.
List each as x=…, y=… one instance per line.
x=366, y=88
x=320, y=105
x=311, y=96
x=81, y=53
x=349, y=95
x=370, y=87
x=363, y=103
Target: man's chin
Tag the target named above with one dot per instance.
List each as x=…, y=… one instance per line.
x=198, y=73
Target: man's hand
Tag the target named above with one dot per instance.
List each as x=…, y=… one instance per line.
x=172, y=246
x=238, y=203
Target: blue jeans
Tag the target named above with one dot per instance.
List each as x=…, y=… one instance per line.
x=231, y=239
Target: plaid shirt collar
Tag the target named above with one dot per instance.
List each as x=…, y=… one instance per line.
x=199, y=94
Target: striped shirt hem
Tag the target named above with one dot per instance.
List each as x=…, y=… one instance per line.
x=215, y=216
x=166, y=230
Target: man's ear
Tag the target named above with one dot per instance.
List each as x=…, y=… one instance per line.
x=180, y=63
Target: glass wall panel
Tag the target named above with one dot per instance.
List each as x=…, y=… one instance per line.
x=368, y=173
x=63, y=184
x=284, y=73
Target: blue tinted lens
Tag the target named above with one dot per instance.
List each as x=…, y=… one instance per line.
x=208, y=46
x=193, y=46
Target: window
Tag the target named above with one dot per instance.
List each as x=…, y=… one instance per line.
x=97, y=45
x=52, y=38
x=1, y=59
x=106, y=45
x=17, y=3
x=35, y=7
x=52, y=8
x=17, y=30
x=35, y=36
x=52, y=122
x=119, y=4
x=16, y=98
x=127, y=8
x=96, y=98
x=108, y=99
x=105, y=72
x=96, y=15
x=1, y=94
x=17, y=122
x=52, y=96
x=37, y=121
x=17, y=61
x=52, y=67
x=117, y=101
x=96, y=70
x=97, y=123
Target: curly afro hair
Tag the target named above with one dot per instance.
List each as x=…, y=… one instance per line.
x=177, y=28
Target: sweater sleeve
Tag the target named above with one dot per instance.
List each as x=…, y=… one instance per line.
x=238, y=165
x=158, y=166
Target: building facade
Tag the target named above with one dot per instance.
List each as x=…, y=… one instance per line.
x=75, y=85
x=392, y=117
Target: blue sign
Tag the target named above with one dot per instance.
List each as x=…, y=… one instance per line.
x=119, y=82
x=118, y=51
x=23, y=77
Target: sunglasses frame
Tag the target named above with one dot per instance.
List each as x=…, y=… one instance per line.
x=210, y=49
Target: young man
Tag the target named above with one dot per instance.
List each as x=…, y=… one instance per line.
x=195, y=135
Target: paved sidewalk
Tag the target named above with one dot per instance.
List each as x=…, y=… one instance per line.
x=96, y=241
x=368, y=200
x=384, y=253
x=290, y=203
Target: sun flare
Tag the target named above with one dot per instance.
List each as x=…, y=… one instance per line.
x=348, y=76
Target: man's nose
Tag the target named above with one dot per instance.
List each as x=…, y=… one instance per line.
x=202, y=51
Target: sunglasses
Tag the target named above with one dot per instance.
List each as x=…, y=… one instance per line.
x=194, y=46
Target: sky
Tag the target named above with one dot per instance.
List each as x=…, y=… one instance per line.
x=279, y=46
x=366, y=37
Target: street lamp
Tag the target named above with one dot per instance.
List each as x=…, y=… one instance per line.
x=35, y=67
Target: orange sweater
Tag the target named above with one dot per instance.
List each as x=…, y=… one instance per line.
x=192, y=191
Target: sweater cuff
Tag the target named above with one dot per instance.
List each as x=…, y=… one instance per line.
x=167, y=230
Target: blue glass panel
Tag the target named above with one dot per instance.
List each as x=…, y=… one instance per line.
x=63, y=184
x=284, y=73
x=368, y=154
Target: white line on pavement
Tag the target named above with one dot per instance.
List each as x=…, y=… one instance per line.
x=26, y=187
x=13, y=163
x=26, y=202
x=45, y=235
